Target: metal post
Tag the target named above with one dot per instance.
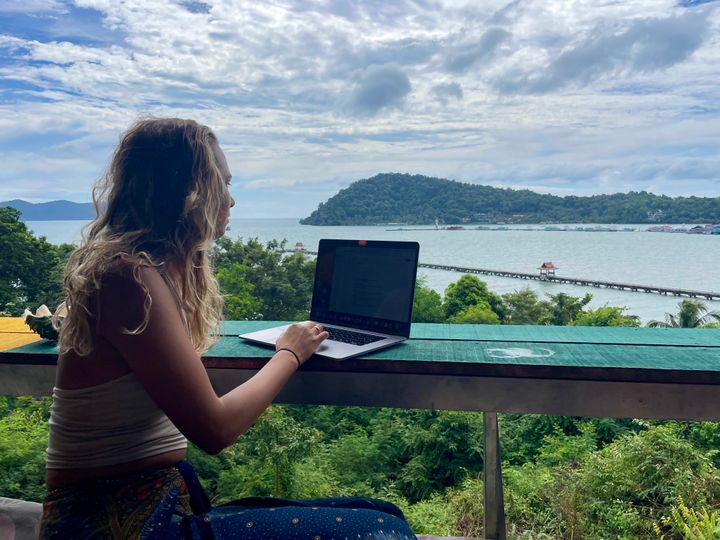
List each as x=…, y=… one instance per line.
x=492, y=479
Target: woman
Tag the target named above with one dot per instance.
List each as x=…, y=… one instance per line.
x=142, y=304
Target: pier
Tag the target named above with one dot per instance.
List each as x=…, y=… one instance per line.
x=578, y=281
x=582, y=282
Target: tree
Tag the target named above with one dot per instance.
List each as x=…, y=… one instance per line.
x=427, y=304
x=691, y=314
x=30, y=268
x=480, y=313
x=566, y=308
x=524, y=307
x=240, y=303
x=468, y=291
x=442, y=447
x=267, y=453
x=23, y=444
x=606, y=316
x=262, y=282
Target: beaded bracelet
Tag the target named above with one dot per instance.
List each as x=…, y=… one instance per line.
x=291, y=352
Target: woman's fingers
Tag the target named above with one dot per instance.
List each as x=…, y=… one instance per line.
x=322, y=336
x=320, y=333
x=303, y=338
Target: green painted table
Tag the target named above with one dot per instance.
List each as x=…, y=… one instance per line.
x=578, y=371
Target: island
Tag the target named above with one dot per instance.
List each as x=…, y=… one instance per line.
x=404, y=199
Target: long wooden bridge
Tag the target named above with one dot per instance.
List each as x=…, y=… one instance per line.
x=582, y=282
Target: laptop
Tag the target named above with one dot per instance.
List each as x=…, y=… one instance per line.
x=362, y=295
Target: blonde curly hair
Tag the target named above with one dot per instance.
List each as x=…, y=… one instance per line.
x=157, y=206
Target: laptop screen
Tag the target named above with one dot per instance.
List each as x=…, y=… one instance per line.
x=365, y=284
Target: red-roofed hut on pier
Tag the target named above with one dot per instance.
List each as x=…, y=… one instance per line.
x=547, y=269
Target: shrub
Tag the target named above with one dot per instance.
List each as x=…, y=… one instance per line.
x=632, y=482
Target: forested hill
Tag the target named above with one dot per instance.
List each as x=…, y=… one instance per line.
x=53, y=210
x=417, y=199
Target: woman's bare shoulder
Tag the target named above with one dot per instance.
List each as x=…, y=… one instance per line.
x=125, y=292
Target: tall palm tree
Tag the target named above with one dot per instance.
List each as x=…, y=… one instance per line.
x=692, y=314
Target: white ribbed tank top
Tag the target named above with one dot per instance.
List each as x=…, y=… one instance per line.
x=109, y=423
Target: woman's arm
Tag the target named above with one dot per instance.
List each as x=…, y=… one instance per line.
x=166, y=363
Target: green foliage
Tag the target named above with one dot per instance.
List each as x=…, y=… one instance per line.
x=466, y=504
x=606, y=316
x=691, y=314
x=524, y=307
x=522, y=435
x=431, y=516
x=363, y=452
x=441, y=448
x=704, y=436
x=333, y=422
x=531, y=500
x=480, y=313
x=565, y=308
x=417, y=199
x=561, y=448
x=278, y=440
x=240, y=302
x=469, y=291
x=23, y=443
x=688, y=524
x=260, y=282
x=314, y=477
x=209, y=469
x=30, y=268
x=543, y=495
x=631, y=483
x=427, y=304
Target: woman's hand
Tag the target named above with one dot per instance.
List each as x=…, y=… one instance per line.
x=302, y=338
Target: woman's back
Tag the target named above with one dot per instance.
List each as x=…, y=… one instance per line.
x=142, y=304
x=103, y=420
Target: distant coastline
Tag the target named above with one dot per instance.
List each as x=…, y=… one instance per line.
x=53, y=210
x=713, y=229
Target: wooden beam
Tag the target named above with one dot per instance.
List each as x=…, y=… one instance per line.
x=494, y=519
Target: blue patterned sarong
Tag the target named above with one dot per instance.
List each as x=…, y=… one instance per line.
x=170, y=504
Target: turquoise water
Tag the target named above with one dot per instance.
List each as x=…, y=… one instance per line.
x=670, y=260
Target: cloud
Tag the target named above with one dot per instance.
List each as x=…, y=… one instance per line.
x=33, y=6
x=464, y=55
x=444, y=92
x=646, y=45
x=380, y=87
x=194, y=6
x=690, y=3
x=308, y=96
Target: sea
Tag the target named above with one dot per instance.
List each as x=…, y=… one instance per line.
x=628, y=254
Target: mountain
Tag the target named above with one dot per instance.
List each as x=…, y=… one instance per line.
x=53, y=210
x=417, y=199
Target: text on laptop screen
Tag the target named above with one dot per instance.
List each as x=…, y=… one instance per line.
x=372, y=282
x=365, y=286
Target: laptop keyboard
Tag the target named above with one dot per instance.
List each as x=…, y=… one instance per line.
x=354, y=338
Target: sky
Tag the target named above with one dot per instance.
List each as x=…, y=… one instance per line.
x=566, y=97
